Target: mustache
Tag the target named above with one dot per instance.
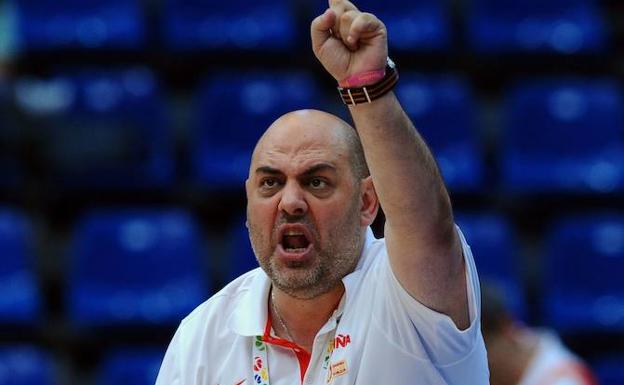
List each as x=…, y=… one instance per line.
x=285, y=218
x=290, y=219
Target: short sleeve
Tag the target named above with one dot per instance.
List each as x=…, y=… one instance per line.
x=427, y=333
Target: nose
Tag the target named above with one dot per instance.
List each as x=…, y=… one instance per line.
x=292, y=201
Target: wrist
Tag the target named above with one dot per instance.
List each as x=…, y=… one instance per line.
x=367, y=93
x=362, y=79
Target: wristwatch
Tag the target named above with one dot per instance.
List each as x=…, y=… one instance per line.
x=368, y=93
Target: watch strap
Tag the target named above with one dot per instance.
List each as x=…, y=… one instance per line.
x=368, y=93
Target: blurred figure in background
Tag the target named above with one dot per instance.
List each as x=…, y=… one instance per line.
x=520, y=355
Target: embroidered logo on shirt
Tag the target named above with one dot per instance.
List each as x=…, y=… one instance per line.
x=261, y=374
x=336, y=370
x=342, y=341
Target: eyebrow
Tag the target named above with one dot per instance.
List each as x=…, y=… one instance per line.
x=310, y=171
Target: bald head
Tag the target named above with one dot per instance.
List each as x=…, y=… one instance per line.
x=302, y=123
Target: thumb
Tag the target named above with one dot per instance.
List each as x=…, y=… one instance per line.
x=320, y=29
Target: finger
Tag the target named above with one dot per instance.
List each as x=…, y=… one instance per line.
x=342, y=5
x=363, y=24
x=346, y=20
x=320, y=29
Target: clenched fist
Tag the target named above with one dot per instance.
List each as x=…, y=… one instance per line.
x=349, y=42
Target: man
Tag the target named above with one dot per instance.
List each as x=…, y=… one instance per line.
x=519, y=355
x=331, y=304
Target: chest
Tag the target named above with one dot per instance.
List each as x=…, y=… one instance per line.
x=347, y=356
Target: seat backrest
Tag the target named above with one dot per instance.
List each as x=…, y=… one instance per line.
x=232, y=6
x=530, y=6
x=136, y=366
x=15, y=241
x=135, y=266
x=233, y=110
x=100, y=128
x=240, y=258
x=25, y=365
x=20, y=301
x=585, y=256
x=229, y=25
x=442, y=108
x=494, y=244
x=135, y=247
x=48, y=25
x=565, y=117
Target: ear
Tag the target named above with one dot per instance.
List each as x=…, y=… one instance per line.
x=370, y=202
x=248, y=186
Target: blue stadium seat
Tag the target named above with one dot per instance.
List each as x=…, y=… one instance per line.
x=133, y=366
x=133, y=267
x=20, y=301
x=241, y=258
x=11, y=134
x=444, y=111
x=583, y=287
x=75, y=24
x=564, y=135
x=495, y=248
x=232, y=112
x=535, y=26
x=25, y=365
x=261, y=25
x=102, y=129
x=413, y=25
x=610, y=370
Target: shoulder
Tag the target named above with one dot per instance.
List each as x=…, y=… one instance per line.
x=204, y=333
x=216, y=311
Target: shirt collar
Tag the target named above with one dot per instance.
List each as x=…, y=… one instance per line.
x=250, y=315
x=249, y=318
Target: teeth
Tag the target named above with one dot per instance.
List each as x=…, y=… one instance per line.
x=299, y=250
x=293, y=232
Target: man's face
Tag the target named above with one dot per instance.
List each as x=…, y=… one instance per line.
x=304, y=206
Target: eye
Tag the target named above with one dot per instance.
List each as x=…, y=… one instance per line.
x=317, y=183
x=268, y=182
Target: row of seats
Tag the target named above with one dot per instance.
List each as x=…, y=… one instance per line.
x=108, y=129
x=490, y=26
x=29, y=365
x=148, y=266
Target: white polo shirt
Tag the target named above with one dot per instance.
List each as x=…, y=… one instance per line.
x=378, y=335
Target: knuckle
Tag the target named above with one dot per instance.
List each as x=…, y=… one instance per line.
x=346, y=17
x=370, y=21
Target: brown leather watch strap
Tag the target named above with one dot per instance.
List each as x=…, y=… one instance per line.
x=366, y=94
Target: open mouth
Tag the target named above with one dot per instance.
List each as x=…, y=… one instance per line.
x=294, y=241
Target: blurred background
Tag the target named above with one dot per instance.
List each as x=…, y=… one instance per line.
x=125, y=135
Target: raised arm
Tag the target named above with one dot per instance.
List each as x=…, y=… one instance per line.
x=423, y=246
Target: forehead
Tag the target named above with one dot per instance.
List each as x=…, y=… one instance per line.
x=300, y=140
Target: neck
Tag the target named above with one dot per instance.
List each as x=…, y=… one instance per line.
x=303, y=318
